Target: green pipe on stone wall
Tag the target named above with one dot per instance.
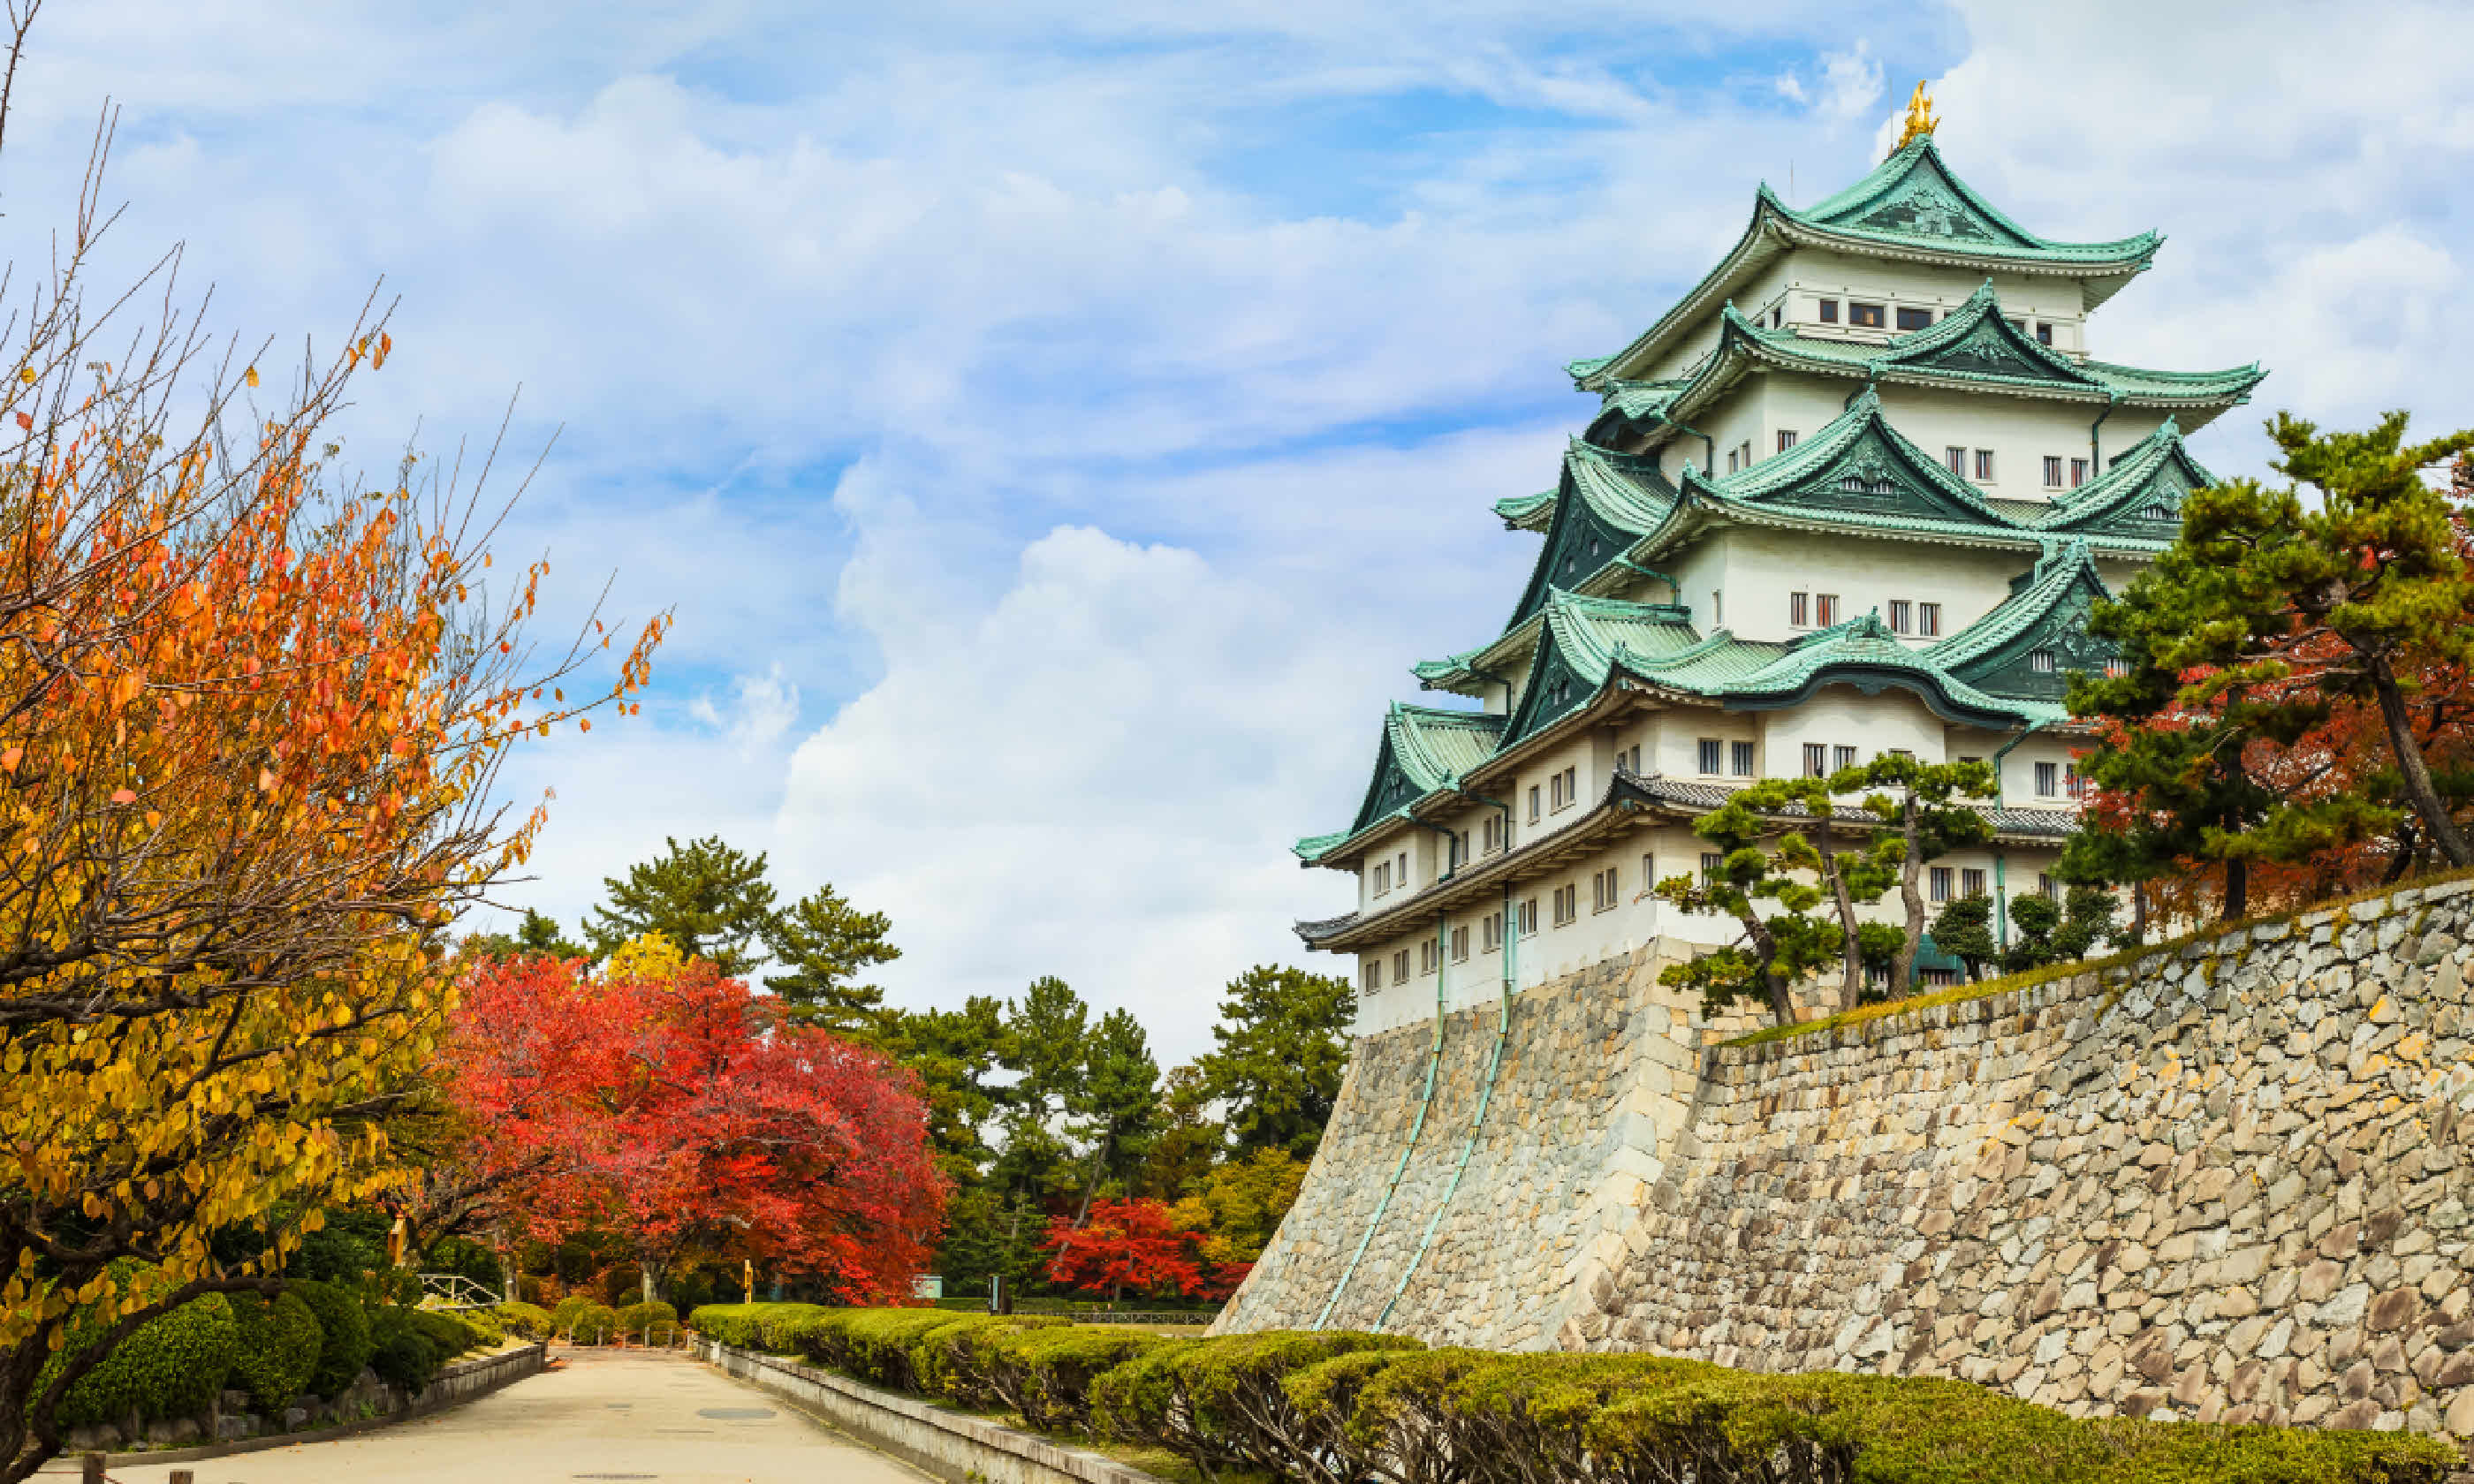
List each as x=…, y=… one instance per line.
x=1416, y=1127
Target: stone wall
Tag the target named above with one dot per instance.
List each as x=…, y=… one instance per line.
x=2227, y=1182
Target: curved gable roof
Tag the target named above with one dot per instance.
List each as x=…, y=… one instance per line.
x=2047, y=612
x=2139, y=498
x=1605, y=503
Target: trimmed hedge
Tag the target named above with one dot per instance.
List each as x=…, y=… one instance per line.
x=344, y=1342
x=529, y=1320
x=408, y=1345
x=594, y=1324
x=769, y=1327
x=171, y=1366
x=276, y=1349
x=1336, y=1407
x=637, y=1318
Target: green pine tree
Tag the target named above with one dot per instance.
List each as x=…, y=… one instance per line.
x=1963, y=929
x=1926, y=810
x=1780, y=945
x=710, y=900
x=1853, y=872
x=822, y=943
x=540, y=934
x=1283, y=1049
x=1116, y=1108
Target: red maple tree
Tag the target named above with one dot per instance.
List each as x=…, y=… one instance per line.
x=1122, y=1245
x=679, y=1110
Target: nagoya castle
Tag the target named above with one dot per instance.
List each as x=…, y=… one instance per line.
x=1853, y=493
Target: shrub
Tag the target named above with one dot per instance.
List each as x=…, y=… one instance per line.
x=529, y=1320
x=489, y=1331
x=562, y=1315
x=171, y=1366
x=747, y=1325
x=952, y=1360
x=343, y=1335
x=275, y=1348
x=636, y=1319
x=594, y=1324
x=401, y=1351
x=876, y=1342
x=1045, y=1374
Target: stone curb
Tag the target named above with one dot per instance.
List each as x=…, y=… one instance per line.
x=511, y=1360
x=956, y=1446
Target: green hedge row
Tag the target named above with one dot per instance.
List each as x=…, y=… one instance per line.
x=310, y=1339
x=1342, y=1407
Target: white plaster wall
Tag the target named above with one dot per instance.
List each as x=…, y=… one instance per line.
x=1758, y=568
x=1843, y=716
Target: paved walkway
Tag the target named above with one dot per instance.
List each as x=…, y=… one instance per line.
x=605, y=1414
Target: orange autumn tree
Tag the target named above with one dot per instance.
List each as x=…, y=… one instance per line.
x=252, y=713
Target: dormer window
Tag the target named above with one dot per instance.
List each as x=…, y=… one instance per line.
x=1866, y=317
x=2041, y=662
x=2160, y=512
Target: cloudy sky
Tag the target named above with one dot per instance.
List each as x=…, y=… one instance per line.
x=1057, y=427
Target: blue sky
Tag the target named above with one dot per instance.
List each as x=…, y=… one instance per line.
x=1057, y=427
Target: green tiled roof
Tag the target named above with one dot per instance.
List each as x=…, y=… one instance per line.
x=1913, y=198
x=1527, y=511
x=1423, y=749
x=2139, y=497
x=1606, y=503
x=2047, y=612
x=1865, y=653
x=1584, y=639
x=1913, y=207
x=1861, y=471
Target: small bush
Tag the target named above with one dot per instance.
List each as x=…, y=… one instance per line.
x=562, y=1315
x=171, y=1366
x=877, y=1342
x=594, y=1324
x=1045, y=1374
x=746, y=1326
x=343, y=1335
x=275, y=1349
x=955, y=1360
x=401, y=1351
x=529, y=1320
x=636, y=1319
x=489, y=1331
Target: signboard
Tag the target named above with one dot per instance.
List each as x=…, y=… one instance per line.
x=928, y=1286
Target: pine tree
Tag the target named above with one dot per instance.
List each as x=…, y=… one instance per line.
x=1283, y=1047
x=1116, y=1106
x=1853, y=873
x=540, y=934
x=1925, y=805
x=822, y=943
x=1778, y=947
x=1963, y=929
x=710, y=900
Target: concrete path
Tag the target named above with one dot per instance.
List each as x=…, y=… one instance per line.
x=606, y=1415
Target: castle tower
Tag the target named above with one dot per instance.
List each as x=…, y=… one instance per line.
x=1853, y=493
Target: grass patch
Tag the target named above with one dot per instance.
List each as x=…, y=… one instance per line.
x=2028, y=977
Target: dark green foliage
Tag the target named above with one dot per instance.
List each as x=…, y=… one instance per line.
x=409, y=1345
x=2044, y=931
x=537, y=936
x=1044, y=1374
x=594, y=1324
x=750, y=1326
x=275, y=1348
x=1963, y=929
x=171, y=1366
x=352, y=1243
x=1780, y=945
x=343, y=1335
x=711, y=901
x=1283, y=1049
x=638, y=1318
x=1115, y=1105
x=1925, y=809
x=563, y=1314
x=822, y=943
x=529, y=1320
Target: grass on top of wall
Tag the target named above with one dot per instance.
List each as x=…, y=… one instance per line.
x=2027, y=978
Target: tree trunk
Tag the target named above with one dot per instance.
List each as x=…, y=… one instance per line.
x=1851, y=986
x=1902, y=974
x=2419, y=788
x=1091, y=1182
x=2237, y=887
x=2138, y=913
x=1780, y=1006
x=1766, y=952
x=2406, y=847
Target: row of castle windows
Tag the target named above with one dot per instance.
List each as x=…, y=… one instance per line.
x=1864, y=316
x=1821, y=611
x=1564, y=904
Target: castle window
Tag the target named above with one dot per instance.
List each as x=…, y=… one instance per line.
x=1426, y=956
x=2073, y=783
x=1914, y=319
x=1830, y=311
x=1533, y=803
x=1742, y=759
x=1984, y=466
x=2116, y=669
x=1970, y=881
x=1602, y=890
x=1711, y=865
x=1648, y=872
x=2160, y=512
x=1747, y=448
x=1816, y=759
x=2048, y=887
x=1778, y=316
x=1730, y=461
x=1565, y=790
x=1490, y=936
x=1903, y=615
x=1629, y=760
x=1401, y=966
x=1373, y=974
x=1956, y=460
x=1567, y=905
x=1400, y=870
x=1842, y=757
x=2053, y=471
x=1941, y=883
x=1786, y=439
x=1460, y=945
x=1799, y=609
x=1710, y=756
x=1929, y=619
x=1382, y=877
x=1864, y=317
x=1528, y=922
x=2048, y=776
x=1826, y=605
x=2043, y=332
x=2041, y=662
x=2079, y=472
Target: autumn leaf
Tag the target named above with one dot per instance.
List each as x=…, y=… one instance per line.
x=124, y=795
x=250, y=376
